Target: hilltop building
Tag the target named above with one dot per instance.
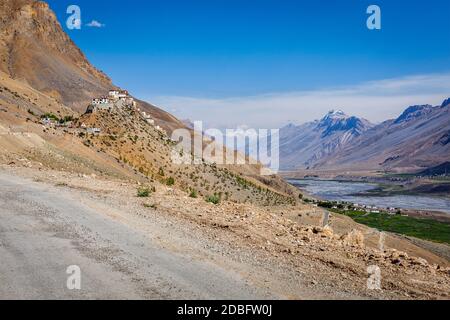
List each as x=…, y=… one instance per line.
x=115, y=98
x=118, y=94
x=94, y=131
x=101, y=100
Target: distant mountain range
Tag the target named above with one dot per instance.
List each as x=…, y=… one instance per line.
x=418, y=139
x=304, y=145
x=38, y=58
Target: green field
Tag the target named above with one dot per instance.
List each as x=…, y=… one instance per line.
x=426, y=229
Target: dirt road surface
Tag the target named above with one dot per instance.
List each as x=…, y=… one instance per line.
x=44, y=230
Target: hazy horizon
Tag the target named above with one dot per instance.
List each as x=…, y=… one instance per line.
x=375, y=101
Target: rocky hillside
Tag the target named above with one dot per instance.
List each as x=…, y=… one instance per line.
x=35, y=50
x=127, y=147
x=303, y=146
x=137, y=145
x=44, y=75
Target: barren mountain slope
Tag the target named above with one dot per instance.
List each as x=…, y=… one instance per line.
x=258, y=218
x=43, y=72
x=128, y=148
x=128, y=138
x=35, y=49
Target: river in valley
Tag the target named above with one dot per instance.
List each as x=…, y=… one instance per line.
x=349, y=192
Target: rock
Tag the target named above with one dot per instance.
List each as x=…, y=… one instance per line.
x=418, y=261
x=353, y=238
x=306, y=239
x=308, y=229
x=317, y=230
x=327, y=232
x=395, y=254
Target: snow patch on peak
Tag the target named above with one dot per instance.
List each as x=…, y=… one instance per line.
x=336, y=114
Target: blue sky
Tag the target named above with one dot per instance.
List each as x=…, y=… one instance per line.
x=190, y=56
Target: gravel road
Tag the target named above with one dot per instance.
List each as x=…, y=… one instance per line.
x=44, y=230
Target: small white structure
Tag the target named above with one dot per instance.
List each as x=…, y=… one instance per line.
x=101, y=100
x=128, y=101
x=161, y=130
x=148, y=118
x=118, y=94
x=93, y=130
x=123, y=94
x=47, y=122
x=114, y=94
x=115, y=99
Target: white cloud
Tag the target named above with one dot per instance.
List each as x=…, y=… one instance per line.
x=95, y=24
x=375, y=100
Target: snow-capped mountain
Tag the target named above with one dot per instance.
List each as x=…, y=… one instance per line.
x=303, y=145
x=416, y=140
x=338, y=121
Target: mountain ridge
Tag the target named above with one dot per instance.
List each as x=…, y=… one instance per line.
x=415, y=140
x=312, y=141
x=114, y=169
x=46, y=85
x=34, y=49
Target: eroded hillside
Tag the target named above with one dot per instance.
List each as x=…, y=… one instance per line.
x=117, y=159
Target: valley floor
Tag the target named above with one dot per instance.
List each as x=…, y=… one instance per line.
x=169, y=246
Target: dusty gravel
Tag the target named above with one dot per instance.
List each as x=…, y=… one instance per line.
x=43, y=230
x=173, y=246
